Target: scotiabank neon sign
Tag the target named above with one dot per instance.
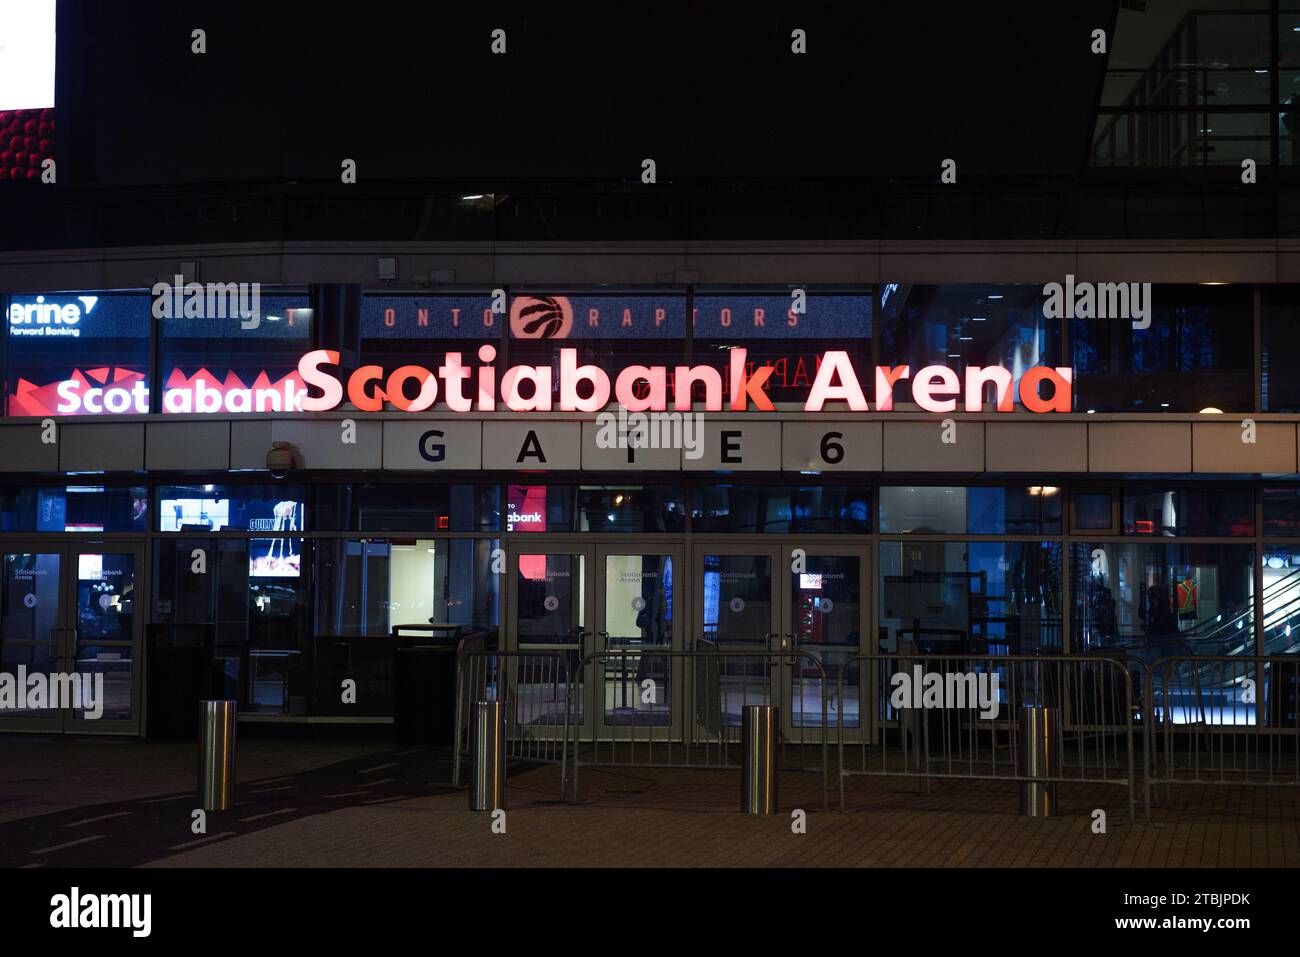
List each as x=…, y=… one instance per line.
x=640, y=388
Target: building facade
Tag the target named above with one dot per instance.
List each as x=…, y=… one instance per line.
x=278, y=481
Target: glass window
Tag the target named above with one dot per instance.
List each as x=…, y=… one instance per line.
x=965, y=325
x=923, y=508
x=970, y=597
x=595, y=508
x=74, y=508
x=369, y=587
x=78, y=354
x=255, y=594
x=1157, y=600
x=367, y=507
x=1094, y=511
x=231, y=508
x=1023, y=510
x=233, y=364
x=776, y=508
x=1209, y=512
x=773, y=334
x=1281, y=600
x=399, y=330
x=1281, y=510
x=1280, y=348
x=1197, y=354
x=611, y=331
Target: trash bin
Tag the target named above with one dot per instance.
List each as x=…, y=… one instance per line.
x=424, y=695
x=177, y=678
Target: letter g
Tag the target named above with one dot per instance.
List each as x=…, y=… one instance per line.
x=432, y=451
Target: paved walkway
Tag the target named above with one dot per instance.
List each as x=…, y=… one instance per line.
x=303, y=804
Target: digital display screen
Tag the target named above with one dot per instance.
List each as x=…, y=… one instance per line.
x=192, y=514
x=274, y=557
x=26, y=88
x=26, y=54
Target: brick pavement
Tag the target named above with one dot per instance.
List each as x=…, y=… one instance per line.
x=307, y=804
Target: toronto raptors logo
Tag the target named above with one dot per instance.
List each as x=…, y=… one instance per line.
x=541, y=317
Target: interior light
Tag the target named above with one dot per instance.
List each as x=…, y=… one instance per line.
x=996, y=295
x=1050, y=489
x=1035, y=490
x=1164, y=405
x=1091, y=411
x=271, y=318
x=1211, y=410
x=470, y=197
x=1213, y=282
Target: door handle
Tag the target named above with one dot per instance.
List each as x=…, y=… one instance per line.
x=71, y=650
x=52, y=644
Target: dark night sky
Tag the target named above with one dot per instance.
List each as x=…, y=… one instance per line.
x=411, y=91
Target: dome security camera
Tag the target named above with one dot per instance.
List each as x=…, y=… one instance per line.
x=279, y=461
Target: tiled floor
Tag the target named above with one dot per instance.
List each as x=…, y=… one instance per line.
x=79, y=802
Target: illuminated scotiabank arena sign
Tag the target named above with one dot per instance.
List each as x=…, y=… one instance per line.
x=456, y=387
x=640, y=388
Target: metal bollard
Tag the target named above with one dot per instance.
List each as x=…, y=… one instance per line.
x=1039, y=758
x=217, y=755
x=487, y=787
x=760, y=729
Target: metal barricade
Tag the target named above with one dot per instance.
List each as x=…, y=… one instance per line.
x=538, y=689
x=1220, y=720
x=646, y=707
x=956, y=716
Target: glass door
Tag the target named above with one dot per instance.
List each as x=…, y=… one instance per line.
x=828, y=619
x=551, y=610
x=103, y=634
x=638, y=608
x=70, y=638
x=737, y=609
x=32, y=627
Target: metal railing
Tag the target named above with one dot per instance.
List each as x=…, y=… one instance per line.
x=1222, y=720
x=956, y=716
x=648, y=707
x=538, y=688
x=1204, y=720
